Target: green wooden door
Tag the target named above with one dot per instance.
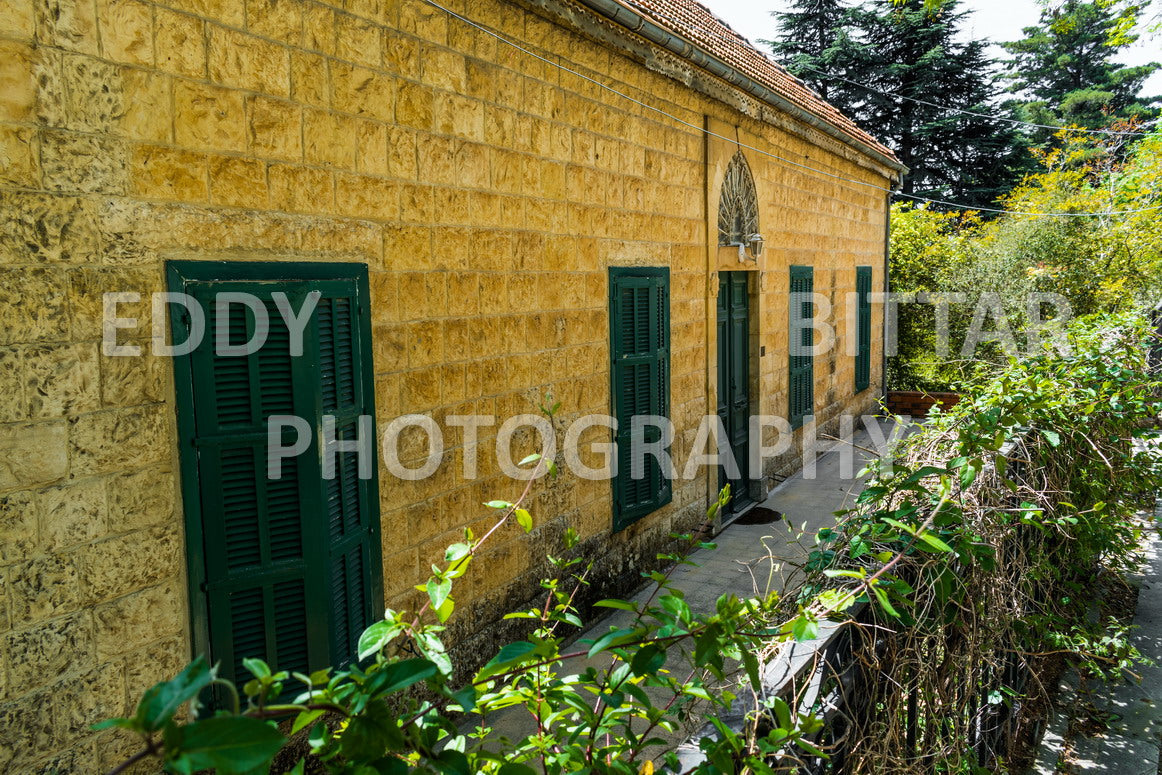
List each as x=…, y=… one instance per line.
x=801, y=377
x=640, y=384
x=734, y=381
x=863, y=324
x=284, y=565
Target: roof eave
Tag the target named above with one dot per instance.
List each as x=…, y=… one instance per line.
x=699, y=57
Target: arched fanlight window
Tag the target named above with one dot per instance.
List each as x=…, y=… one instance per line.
x=738, y=208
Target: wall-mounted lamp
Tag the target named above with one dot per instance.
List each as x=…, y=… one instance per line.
x=752, y=244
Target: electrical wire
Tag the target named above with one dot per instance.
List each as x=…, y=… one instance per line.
x=792, y=162
x=969, y=112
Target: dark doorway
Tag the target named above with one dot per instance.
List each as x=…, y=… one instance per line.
x=734, y=381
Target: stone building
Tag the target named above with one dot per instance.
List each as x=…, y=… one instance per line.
x=495, y=199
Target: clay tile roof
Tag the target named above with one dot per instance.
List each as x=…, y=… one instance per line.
x=694, y=22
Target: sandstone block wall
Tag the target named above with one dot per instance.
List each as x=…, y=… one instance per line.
x=487, y=191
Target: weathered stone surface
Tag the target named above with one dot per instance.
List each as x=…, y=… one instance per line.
x=142, y=499
x=19, y=159
x=33, y=453
x=39, y=228
x=83, y=163
x=134, y=381
x=118, y=566
x=180, y=42
x=45, y=587
x=87, y=289
x=18, y=526
x=159, y=661
x=17, y=82
x=116, y=440
x=94, y=93
x=165, y=173
x=12, y=384
x=209, y=117
x=126, y=31
x=147, y=113
x=50, y=647
x=33, y=305
x=68, y=24
x=72, y=514
x=132, y=622
x=275, y=128
x=247, y=62
x=17, y=19
x=61, y=380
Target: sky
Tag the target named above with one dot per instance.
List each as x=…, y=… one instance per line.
x=996, y=20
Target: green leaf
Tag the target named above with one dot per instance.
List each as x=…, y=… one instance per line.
x=305, y=719
x=782, y=713
x=466, y=699
x=676, y=606
x=524, y=519
x=509, y=656
x=623, y=605
x=370, y=734
x=159, y=703
x=611, y=639
x=967, y=476
x=882, y=596
x=752, y=669
x=257, y=667
x=444, y=612
x=372, y=641
x=533, y=458
x=934, y=542
x=457, y=552
x=512, y=768
x=400, y=675
x=648, y=660
x=499, y=505
x=1053, y=437
x=122, y=723
x=432, y=647
x=805, y=628
x=438, y=591
x=231, y=745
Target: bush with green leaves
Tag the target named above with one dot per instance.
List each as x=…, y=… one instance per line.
x=982, y=543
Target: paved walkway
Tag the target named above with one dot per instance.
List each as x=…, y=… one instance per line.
x=1130, y=744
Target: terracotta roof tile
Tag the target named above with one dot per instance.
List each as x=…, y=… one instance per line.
x=694, y=22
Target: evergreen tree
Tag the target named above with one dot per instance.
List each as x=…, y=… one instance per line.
x=896, y=67
x=1063, y=69
x=810, y=41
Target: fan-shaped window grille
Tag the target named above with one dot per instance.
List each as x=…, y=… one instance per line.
x=738, y=210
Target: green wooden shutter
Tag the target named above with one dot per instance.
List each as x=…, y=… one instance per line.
x=283, y=569
x=863, y=285
x=801, y=379
x=640, y=371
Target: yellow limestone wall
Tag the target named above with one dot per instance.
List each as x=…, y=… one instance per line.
x=487, y=191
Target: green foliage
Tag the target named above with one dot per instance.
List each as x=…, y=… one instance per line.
x=896, y=67
x=1098, y=264
x=982, y=540
x=1065, y=67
